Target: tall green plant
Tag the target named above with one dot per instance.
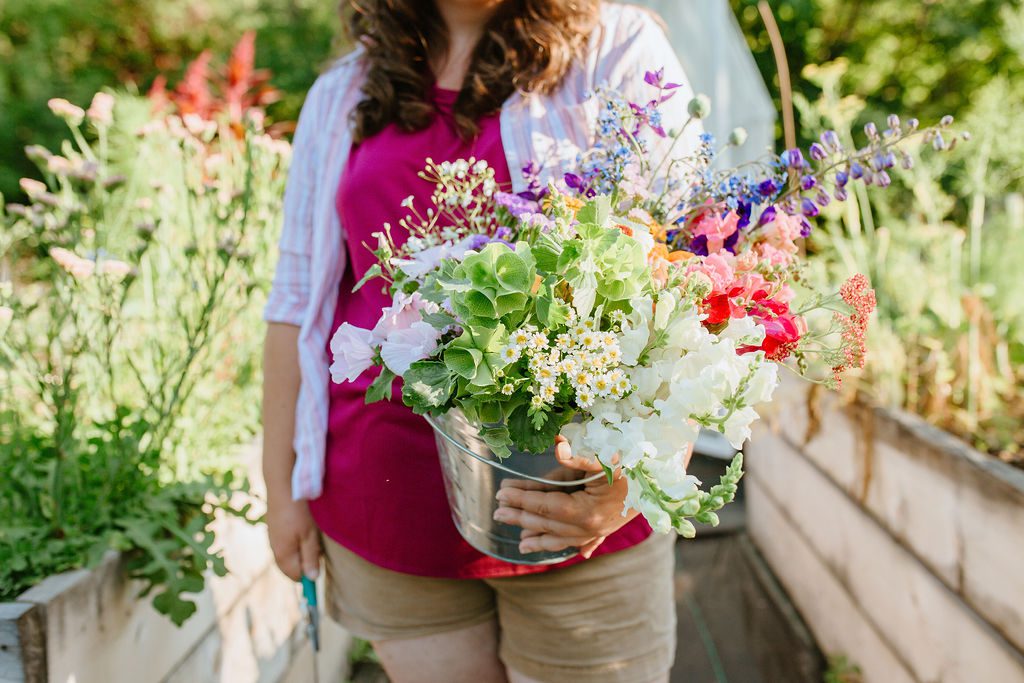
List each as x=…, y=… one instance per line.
x=134, y=328
x=949, y=340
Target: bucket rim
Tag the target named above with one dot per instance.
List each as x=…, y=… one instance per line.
x=498, y=465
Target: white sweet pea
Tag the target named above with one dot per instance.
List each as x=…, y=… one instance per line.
x=404, y=347
x=352, y=353
x=667, y=301
x=743, y=332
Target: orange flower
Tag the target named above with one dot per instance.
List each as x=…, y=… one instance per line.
x=658, y=251
x=680, y=255
x=625, y=229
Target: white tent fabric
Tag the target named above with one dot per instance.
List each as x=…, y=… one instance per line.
x=712, y=49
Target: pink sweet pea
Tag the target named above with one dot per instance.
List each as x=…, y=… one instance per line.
x=406, y=346
x=404, y=311
x=716, y=228
x=352, y=352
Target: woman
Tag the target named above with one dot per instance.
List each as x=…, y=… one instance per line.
x=505, y=81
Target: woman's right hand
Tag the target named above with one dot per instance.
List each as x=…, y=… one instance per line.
x=294, y=538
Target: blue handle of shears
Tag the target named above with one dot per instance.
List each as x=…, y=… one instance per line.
x=309, y=591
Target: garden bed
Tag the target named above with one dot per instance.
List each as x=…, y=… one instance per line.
x=90, y=626
x=900, y=545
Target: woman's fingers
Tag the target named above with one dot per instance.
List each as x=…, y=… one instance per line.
x=530, y=521
x=587, y=549
x=551, y=504
x=552, y=543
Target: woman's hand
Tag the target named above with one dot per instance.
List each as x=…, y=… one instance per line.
x=553, y=520
x=294, y=538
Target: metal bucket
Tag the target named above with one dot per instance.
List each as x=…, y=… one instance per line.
x=473, y=475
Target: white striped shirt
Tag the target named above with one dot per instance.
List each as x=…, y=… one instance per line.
x=549, y=130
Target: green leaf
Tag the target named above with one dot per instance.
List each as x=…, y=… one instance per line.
x=463, y=360
x=528, y=438
x=374, y=271
x=513, y=273
x=596, y=211
x=497, y=439
x=440, y=319
x=427, y=386
x=380, y=389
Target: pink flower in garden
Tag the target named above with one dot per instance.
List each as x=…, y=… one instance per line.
x=114, y=268
x=78, y=267
x=352, y=353
x=67, y=111
x=716, y=229
x=101, y=110
x=404, y=347
x=33, y=188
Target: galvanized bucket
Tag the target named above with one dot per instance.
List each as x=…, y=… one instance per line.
x=473, y=475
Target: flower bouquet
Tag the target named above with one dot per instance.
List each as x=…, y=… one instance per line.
x=625, y=305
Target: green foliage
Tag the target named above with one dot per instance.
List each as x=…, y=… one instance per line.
x=427, y=386
x=924, y=59
x=492, y=285
x=126, y=349
x=948, y=339
x=79, y=48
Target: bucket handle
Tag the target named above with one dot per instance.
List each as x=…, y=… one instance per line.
x=503, y=468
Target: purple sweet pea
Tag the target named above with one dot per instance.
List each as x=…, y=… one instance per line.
x=808, y=182
x=768, y=188
x=767, y=216
x=808, y=207
x=655, y=78
x=699, y=245
x=817, y=151
x=793, y=158
x=805, y=227
x=574, y=181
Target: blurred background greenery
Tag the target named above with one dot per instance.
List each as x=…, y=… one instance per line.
x=56, y=48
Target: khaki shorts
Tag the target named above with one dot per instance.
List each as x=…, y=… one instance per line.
x=609, y=619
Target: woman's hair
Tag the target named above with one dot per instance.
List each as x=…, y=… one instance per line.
x=528, y=45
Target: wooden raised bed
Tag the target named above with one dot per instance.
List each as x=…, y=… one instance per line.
x=902, y=547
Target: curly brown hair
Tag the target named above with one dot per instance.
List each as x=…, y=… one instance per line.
x=528, y=45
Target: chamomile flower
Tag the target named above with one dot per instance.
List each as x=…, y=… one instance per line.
x=539, y=341
x=584, y=398
x=510, y=354
x=536, y=401
x=507, y=389
x=520, y=337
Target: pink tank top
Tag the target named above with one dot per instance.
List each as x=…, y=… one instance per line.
x=383, y=495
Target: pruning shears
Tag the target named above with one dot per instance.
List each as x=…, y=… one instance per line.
x=312, y=621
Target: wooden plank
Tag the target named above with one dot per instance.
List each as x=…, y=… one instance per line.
x=934, y=632
x=836, y=620
x=22, y=643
